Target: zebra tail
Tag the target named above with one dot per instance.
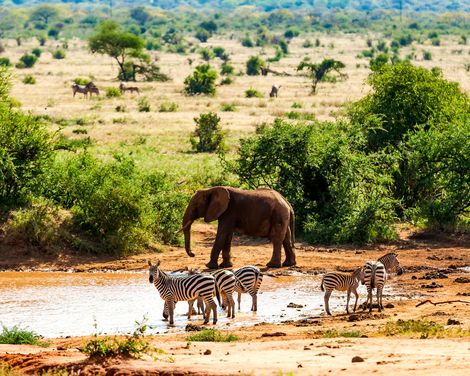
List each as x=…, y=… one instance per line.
x=372, y=278
x=217, y=294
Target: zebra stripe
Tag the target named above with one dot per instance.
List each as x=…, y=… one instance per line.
x=341, y=282
x=391, y=263
x=173, y=289
x=249, y=280
x=225, y=281
x=375, y=277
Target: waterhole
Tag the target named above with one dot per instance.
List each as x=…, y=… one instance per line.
x=56, y=304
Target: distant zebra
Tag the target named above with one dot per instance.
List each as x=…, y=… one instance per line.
x=79, y=89
x=131, y=89
x=375, y=277
x=173, y=289
x=391, y=263
x=341, y=282
x=249, y=280
x=274, y=91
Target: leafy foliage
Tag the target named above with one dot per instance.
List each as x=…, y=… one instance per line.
x=27, y=61
x=202, y=81
x=318, y=72
x=254, y=65
x=211, y=335
x=18, y=336
x=208, y=135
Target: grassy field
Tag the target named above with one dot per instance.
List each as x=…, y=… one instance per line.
x=160, y=140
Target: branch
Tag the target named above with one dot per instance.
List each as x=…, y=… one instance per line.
x=444, y=302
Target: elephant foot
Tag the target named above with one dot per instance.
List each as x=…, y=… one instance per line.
x=289, y=263
x=212, y=265
x=226, y=264
x=272, y=264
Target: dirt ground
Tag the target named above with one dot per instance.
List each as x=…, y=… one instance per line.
x=295, y=348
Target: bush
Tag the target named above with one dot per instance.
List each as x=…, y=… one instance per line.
x=247, y=42
x=206, y=54
x=18, y=336
x=291, y=33
x=228, y=107
x=168, y=107
x=81, y=81
x=37, y=52
x=379, y=61
x=113, y=92
x=227, y=69
x=253, y=93
x=29, y=79
x=427, y=55
x=27, y=61
x=143, y=105
x=58, y=54
x=203, y=35
x=202, y=81
x=339, y=193
x=435, y=41
x=219, y=52
x=226, y=80
x=211, y=335
x=208, y=135
x=5, y=62
x=254, y=65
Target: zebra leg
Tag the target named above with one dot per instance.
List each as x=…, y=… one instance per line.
x=200, y=306
x=327, y=299
x=357, y=297
x=254, y=300
x=190, y=308
x=347, y=301
x=165, y=311
x=239, y=299
x=379, y=298
x=231, y=305
x=171, y=310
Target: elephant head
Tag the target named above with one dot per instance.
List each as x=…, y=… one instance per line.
x=209, y=203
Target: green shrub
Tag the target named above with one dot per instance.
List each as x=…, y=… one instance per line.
x=208, y=135
x=120, y=108
x=291, y=33
x=333, y=333
x=295, y=115
x=113, y=92
x=37, y=51
x=227, y=69
x=58, y=54
x=247, y=42
x=219, y=52
x=18, y=336
x=27, y=61
x=211, y=335
x=207, y=54
x=5, y=62
x=143, y=105
x=228, y=107
x=202, y=81
x=168, y=107
x=379, y=61
x=296, y=105
x=339, y=193
x=29, y=79
x=226, y=80
x=427, y=55
x=81, y=81
x=422, y=327
x=435, y=41
x=203, y=35
x=253, y=93
x=254, y=65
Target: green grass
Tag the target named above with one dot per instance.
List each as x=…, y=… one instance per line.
x=424, y=328
x=211, y=335
x=333, y=333
x=18, y=336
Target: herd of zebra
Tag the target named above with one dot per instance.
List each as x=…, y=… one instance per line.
x=200, y=287
x=90, y=88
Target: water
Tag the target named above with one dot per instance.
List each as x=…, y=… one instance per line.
x=56, y=304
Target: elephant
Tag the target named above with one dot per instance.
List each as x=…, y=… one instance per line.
x=261, y=212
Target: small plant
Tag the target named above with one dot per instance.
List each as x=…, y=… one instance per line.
x=82, y=81
x=168, y=107
x=120, y=120
x=295, y=115
x=226, y=69
x=247, y=42
x=254, y=65
x=27, y=61
x=226, y=80
x=206, y=54
x=120, y=108
x=202, y=81
x=18, y=336
x=436, y=41
x=143, y=105
x=296, y=105
x=5, y=62
x=228, y=107
x=113, y=92
x=427, y=55
x=80, y=131
x=29, y=79
x=253, y=93
x=37, y=51
x=58, y=54
x=211, y=335
x=208, y=135
x=333, y=333
x=307, y=43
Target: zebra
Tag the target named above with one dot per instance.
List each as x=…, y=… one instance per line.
x=79, y=89
x=92, y=89
x=341, y=282
x=173, y=289
x=391, y=263
x=375, y=276
x=249, y=280
x=128, y=88
x=274, y=91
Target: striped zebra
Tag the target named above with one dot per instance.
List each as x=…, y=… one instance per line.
x=391, y=263
x=375, y=277
x=249, y=280
x=341, y=282
x=173, y=289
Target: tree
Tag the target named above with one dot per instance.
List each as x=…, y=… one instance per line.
x=318, y=72
x=208, y=135
x=121, y=45
x=254, y=65
x=202, y=81
x=44, y=13
x=140, y=15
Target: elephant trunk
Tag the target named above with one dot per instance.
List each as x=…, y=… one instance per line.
x=187, y=222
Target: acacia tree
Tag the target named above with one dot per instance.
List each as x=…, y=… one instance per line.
x=43, y=13
x=318, y=72
x=110, y=39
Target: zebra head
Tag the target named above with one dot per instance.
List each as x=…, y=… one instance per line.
x=358, y=274
x=154, y=271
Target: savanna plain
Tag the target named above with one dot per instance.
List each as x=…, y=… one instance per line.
x=403, y=339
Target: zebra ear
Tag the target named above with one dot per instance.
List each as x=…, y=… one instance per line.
x=149, y=262
x=158, y=263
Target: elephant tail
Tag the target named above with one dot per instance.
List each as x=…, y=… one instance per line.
x=291, y=225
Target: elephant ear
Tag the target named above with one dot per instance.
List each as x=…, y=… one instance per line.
x=219, y=197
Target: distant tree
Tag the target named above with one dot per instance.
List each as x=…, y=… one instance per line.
x=203, y=35
x=210, y=26
x=254, y=65
x=202, y=81
x=44, y=13
x=318, y=72
x=140, y=15
x=110, y=39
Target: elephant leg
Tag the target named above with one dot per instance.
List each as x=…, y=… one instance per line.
x=278, y=233
x=223, y=232
x=290, y=255
x=275, y=261
x=226, y=253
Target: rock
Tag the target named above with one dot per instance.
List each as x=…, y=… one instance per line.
x=453, y=322
x=192, y=328
x=389, y=305
x=207, y=352
x=463, y=294
x=307, y=348
x=293, y=305
x=435, y=274
x=439, y=313
x=357, y=359
x=432, y=285
x=275, y=334
x=414, y=277
x=462, y=280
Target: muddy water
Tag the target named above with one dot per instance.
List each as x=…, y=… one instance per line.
x=71, y=304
